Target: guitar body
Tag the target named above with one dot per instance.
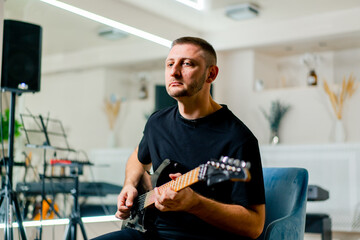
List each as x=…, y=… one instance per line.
x=136, y=221
x=139, y=216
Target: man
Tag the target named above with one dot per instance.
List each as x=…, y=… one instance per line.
x=191, y=133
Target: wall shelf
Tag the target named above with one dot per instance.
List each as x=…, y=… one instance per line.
x=289, y=71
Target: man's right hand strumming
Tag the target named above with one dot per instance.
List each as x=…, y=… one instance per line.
x=125, y=201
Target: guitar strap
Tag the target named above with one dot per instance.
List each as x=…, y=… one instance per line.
x=156, y=174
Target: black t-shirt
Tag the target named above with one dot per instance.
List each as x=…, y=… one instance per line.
x=168, y=135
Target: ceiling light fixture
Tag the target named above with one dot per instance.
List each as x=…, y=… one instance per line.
x=197, y=4
x=109, y=22
x=242, y=11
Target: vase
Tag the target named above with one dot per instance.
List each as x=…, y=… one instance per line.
x=274, y=137
x=339, y=134
x=112, y=139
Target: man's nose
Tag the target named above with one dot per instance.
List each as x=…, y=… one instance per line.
x=175, y=70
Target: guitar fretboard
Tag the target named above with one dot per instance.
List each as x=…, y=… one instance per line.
x=176, y=185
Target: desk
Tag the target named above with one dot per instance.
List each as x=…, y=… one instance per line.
x=318, y=223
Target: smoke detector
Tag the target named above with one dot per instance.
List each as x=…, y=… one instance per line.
x=111, y=33
x=242, y=11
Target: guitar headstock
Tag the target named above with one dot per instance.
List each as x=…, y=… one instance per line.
x=216, y=171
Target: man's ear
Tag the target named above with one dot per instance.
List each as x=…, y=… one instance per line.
x=213, y=72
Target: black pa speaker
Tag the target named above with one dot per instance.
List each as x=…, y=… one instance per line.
x=21, y=59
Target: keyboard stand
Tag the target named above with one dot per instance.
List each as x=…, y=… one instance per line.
x=75, y=218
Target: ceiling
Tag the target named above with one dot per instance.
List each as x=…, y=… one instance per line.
x=213, y=17
x=62, y=31
x=67, y=32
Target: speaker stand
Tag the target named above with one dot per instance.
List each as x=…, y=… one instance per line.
x=7, y=193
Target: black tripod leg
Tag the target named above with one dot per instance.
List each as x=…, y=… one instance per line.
x=68, y=231
x=1, y=199
x=82, y=228
x=19, y=217
x=71, y=230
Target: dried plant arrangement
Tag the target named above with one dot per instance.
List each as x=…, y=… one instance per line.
x=112, y=109
x=348, y=88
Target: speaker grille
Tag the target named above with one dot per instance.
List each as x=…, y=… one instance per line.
x=21, y=60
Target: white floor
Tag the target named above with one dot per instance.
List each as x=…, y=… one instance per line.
x=335, y=236
x=57, y=232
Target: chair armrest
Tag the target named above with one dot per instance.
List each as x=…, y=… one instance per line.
x=289, y=227
x=283, y=228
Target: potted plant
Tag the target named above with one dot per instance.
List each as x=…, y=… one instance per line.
x=275, y=116
x=5, y=126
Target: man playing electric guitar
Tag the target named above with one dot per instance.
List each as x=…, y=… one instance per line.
x=194, y=131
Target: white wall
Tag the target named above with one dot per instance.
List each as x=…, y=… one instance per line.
x=77, y=98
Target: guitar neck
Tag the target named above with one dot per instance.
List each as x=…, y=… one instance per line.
x=176, y=185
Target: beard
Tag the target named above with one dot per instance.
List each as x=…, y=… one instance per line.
x=190, y=90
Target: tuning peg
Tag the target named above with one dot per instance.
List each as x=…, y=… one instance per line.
x=242, y=164
x=224, y=159
x=212, y=163
x=237, y=163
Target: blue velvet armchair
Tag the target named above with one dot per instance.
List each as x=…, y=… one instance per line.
x=286, y=196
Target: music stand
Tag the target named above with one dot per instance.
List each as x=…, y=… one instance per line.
x=45, y=133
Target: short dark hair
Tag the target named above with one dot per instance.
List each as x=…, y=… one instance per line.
x=204, y=45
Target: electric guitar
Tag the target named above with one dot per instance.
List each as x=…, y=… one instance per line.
x=212, y=172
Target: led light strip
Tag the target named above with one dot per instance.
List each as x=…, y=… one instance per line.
x=198, y=5
x=111, y=23
x=63, y=221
